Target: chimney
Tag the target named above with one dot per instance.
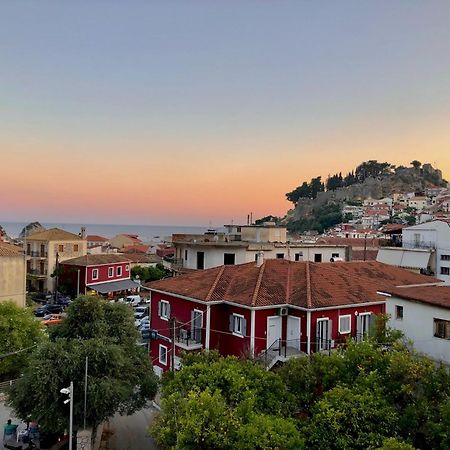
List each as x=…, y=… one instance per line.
x=259, y=259
x=83, y=233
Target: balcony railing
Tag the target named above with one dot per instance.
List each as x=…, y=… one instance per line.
x=172, y=263
x=38, y=272
x=280, y=350
x=37, y=254
x=187, y=340
x=419, y=244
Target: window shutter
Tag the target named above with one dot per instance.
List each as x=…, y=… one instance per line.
x=330, y=333
x=231, y=322
x=371, y=324
x=159, y=309
x=358, y=328
x=192, y=323
x=318, y=343
x=244, y=327
x=168, y=310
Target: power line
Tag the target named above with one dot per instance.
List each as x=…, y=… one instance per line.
x=17, y=351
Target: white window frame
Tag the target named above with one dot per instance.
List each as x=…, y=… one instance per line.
x=110, y=272
x=119, y=271
x=127, y=268
x=163, y=362
x=164, y=316
x=95, y=274
x=349, y=330
x=240, y=320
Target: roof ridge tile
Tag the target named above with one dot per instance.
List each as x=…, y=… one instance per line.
x=258, y=283
x=215, y=283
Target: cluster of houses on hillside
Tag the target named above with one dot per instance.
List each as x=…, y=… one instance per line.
x=408, y=208
x=250, y=290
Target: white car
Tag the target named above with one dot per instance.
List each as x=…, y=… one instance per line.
x=133, y=300
x=139, y=322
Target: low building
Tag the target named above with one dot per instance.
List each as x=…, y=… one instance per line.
x=124, y=240
x=96, y=241
x=12, y=274
x=45, y=250
x=143, y=260
x=423, y=315
x=270, y=310
x=107, y=274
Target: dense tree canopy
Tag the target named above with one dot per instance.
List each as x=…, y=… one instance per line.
x=18, y=330
x=120, y=377
x=148, y=273
x=376, y=394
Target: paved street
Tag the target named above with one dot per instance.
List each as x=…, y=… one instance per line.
x=130, y=432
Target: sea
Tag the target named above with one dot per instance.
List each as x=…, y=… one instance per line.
x=147, y=233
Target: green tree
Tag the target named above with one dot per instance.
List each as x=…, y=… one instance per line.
x=351, y=419
x=148, y=273
x=416, y=164
x=18, y=330
x=214, y=402
x=120, y=377
x=303, y=191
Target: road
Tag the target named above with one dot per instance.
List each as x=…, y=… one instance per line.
x=130, y=432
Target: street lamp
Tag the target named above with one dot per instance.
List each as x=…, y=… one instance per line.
x=69, y=391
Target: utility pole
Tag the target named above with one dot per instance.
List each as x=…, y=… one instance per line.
x=365, y=246
x=85, y=390
x=172, y=337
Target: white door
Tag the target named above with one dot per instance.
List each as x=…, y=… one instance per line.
x=293, y=332
x=363, y=326
x=323, y=334
x=273, y=330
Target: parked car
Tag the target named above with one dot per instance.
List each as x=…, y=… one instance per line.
x=133, y=300
x=54, y=319
x=139, y=322
x=48, y=309
x=140, y=312
x=144, y=326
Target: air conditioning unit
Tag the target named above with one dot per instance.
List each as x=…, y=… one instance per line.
x=284, y=311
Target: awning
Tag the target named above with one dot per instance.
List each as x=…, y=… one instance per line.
x=390, y=256
x=114, y=286
x=416, y=260
x=401, y=257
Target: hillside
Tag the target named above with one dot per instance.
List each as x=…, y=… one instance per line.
x=318, y=205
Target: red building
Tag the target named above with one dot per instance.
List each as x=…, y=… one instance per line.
x=104, y=274
x=274, y=310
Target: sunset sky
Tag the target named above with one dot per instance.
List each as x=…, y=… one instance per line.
x=186, y=112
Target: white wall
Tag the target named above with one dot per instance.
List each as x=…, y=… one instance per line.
x=214, y=255
x=417, y=324
x=434, y=234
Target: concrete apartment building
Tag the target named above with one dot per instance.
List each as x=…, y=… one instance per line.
x=45, y=249
x=12, y=274
x=242, y=243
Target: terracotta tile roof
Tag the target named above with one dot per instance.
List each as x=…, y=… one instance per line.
x=10, y=250
x=142, y=258
x=54, y=234
x=353, y=242
x=358, y=255
x=96, y=238
x=93, y=260
x=140, y=248
x=433, y=295
x=279, y=282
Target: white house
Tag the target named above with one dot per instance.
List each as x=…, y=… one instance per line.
x=433, y=235
x=242, y=245
x=422, y=313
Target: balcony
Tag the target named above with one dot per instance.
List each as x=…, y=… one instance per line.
x=37, y=272
x=280, y=351
x=35, y=254
x=419, y=244
x=175, y=264
x=185, y=341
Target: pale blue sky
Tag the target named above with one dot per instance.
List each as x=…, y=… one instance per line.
x=245, y=79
